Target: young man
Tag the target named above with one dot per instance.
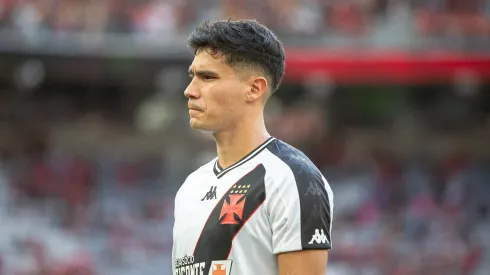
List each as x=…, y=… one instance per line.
x=261, y=207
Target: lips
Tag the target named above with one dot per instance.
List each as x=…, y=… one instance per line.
x=194, y=108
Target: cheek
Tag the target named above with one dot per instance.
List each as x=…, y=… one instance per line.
x=221, y=101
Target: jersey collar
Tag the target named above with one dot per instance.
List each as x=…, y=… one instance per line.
x=219, y=171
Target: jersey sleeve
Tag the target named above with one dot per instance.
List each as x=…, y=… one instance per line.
x=300, y=211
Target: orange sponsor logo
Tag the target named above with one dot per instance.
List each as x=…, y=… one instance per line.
x=219, y=269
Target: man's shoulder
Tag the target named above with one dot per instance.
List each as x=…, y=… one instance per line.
x=297, y=179
x=297, y=161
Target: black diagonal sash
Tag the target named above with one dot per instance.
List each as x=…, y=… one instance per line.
x=219, y=231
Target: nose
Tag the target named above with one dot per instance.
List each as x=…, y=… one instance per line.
x=192, y=90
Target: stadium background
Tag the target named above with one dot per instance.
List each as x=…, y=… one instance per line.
x=389, y=98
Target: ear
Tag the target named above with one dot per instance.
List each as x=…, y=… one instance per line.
x=258, y=89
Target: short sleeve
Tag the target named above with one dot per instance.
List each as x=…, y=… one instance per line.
x=300, y=210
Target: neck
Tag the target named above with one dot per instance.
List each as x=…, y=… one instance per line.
x=232, y=145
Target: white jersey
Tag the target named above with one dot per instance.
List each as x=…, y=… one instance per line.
x=235, y=221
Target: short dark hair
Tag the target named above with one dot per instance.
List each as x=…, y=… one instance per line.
x=242, y=42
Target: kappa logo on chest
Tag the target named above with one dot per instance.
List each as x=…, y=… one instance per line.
x=211, y=194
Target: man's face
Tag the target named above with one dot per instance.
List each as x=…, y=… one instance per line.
x=216, y=93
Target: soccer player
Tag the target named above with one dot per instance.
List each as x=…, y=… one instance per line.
x=261, y=207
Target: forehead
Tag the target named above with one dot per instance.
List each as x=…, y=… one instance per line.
x=203, y=60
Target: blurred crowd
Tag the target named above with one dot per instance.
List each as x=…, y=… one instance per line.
x=89, y=190
x=66, y=212
x=411, y=217
x=289, y=18
x=85, y=197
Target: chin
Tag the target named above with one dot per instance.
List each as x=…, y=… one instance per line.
x=195, y=124
x=198, y=125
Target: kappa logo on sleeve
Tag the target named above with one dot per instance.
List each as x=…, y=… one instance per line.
x=220, y=267
x=319, y=237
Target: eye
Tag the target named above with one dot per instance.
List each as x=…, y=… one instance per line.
x=208, y=77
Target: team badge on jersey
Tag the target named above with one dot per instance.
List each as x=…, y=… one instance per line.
x=232, y=211
x=220, y=267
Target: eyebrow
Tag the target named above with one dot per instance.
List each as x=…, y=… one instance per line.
x=203, y=73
